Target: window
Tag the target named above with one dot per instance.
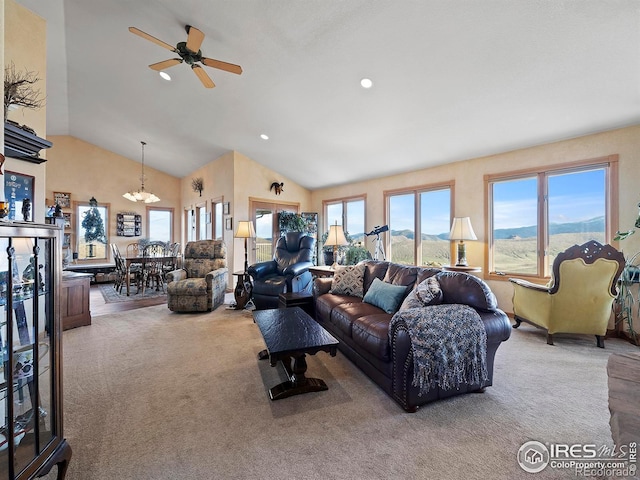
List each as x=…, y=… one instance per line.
x=190, y=224
x=201, y=220
x=160, y=224
x=92, y=228
x=534, y=215
x=218, y=220
x=349, y=213
x=427, y=211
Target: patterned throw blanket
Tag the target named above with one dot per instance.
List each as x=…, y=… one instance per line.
x=449, y=345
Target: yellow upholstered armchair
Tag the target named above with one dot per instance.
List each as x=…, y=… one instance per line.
x=578, y=298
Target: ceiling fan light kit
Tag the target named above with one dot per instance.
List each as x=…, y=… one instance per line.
x=190, y=54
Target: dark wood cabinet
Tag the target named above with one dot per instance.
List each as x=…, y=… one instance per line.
x=74, y=300
x=31, y=421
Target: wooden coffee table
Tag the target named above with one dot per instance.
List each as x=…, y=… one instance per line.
x=290, y=334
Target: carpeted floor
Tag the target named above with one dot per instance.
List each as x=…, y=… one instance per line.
x=151, y=394
x=111, y=295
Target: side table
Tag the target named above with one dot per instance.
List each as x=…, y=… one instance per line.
x=295, y=299
x=243, y=291
x=461, y=268
x=322, y=271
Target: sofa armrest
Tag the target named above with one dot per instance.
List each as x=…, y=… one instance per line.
x=297, y=269
x=527, y=284
x=262, y=269
x=176, y=275
x=321, y=285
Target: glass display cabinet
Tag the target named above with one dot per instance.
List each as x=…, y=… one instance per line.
x=31, y=440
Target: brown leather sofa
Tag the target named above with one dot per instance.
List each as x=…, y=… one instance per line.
x=386, y=357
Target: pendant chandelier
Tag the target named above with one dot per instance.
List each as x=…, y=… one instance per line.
x=141, y=195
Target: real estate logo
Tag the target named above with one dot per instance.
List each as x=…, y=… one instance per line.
x=585, y=459
x=533, y=457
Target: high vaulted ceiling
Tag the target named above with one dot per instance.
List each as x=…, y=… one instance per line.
x=453, y=79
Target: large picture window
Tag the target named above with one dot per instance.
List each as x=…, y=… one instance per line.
x=425, y=210
x=348, y=212
x=160, y=224
x=535, y=215
x=93, y=234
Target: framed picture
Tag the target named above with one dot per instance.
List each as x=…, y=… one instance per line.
x=228, y=223
x=18, y=191
x=226, y=208
x=67, y=219
x=62, y=198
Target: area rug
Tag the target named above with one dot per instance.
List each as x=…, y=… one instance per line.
x=111, y=295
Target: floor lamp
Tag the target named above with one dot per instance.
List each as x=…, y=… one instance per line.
x=462, y=230
x=244, y=287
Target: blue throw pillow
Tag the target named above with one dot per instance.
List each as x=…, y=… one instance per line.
x=384, y=295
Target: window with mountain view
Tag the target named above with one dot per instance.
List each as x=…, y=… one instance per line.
x=433, y=221
x=349, y=213
x=548, y=211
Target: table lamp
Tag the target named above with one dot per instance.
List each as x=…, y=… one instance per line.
x=462, y=230
x=335, y=238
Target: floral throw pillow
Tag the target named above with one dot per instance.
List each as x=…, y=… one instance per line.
x=348, y=281
x=427, y=292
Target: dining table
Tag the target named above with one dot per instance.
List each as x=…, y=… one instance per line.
x=142, y=260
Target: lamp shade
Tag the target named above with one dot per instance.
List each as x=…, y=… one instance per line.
x=245, y=230
x=336, y=237
x=461, y=229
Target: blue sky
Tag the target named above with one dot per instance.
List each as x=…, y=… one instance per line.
x=572, y=197
x=435, y=209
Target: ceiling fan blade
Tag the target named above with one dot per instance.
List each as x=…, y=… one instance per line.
x=202, y=75
x=165, y=64
x=227, y=67
x=151, y=38
x=195, y=38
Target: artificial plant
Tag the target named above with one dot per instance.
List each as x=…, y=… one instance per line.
x=625, y=302
x=93, y=224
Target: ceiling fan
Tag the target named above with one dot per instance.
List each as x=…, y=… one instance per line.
x=190, y=53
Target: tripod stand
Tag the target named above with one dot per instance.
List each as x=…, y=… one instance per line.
x=379, y=250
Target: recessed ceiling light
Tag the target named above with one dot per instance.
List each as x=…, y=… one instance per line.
x=165, y=75
x=264, y=137
x=366, y=83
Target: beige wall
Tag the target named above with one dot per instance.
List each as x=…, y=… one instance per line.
x=469, y=186
x=86, y=171
x=25, y=45
x=235, y=178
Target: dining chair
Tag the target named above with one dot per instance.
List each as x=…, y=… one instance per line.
x=121, y=270
x=152, y=271
x=133, y=249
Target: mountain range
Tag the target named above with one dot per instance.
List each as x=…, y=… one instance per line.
x=596, y=224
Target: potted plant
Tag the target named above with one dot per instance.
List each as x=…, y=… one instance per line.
x=630, y=277
x=93, y=227
x=291, y=222
x=341, y=252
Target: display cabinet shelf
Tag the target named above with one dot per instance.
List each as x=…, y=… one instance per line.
x=31, y=422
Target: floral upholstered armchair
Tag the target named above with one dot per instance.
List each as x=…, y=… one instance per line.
x=200, y=284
